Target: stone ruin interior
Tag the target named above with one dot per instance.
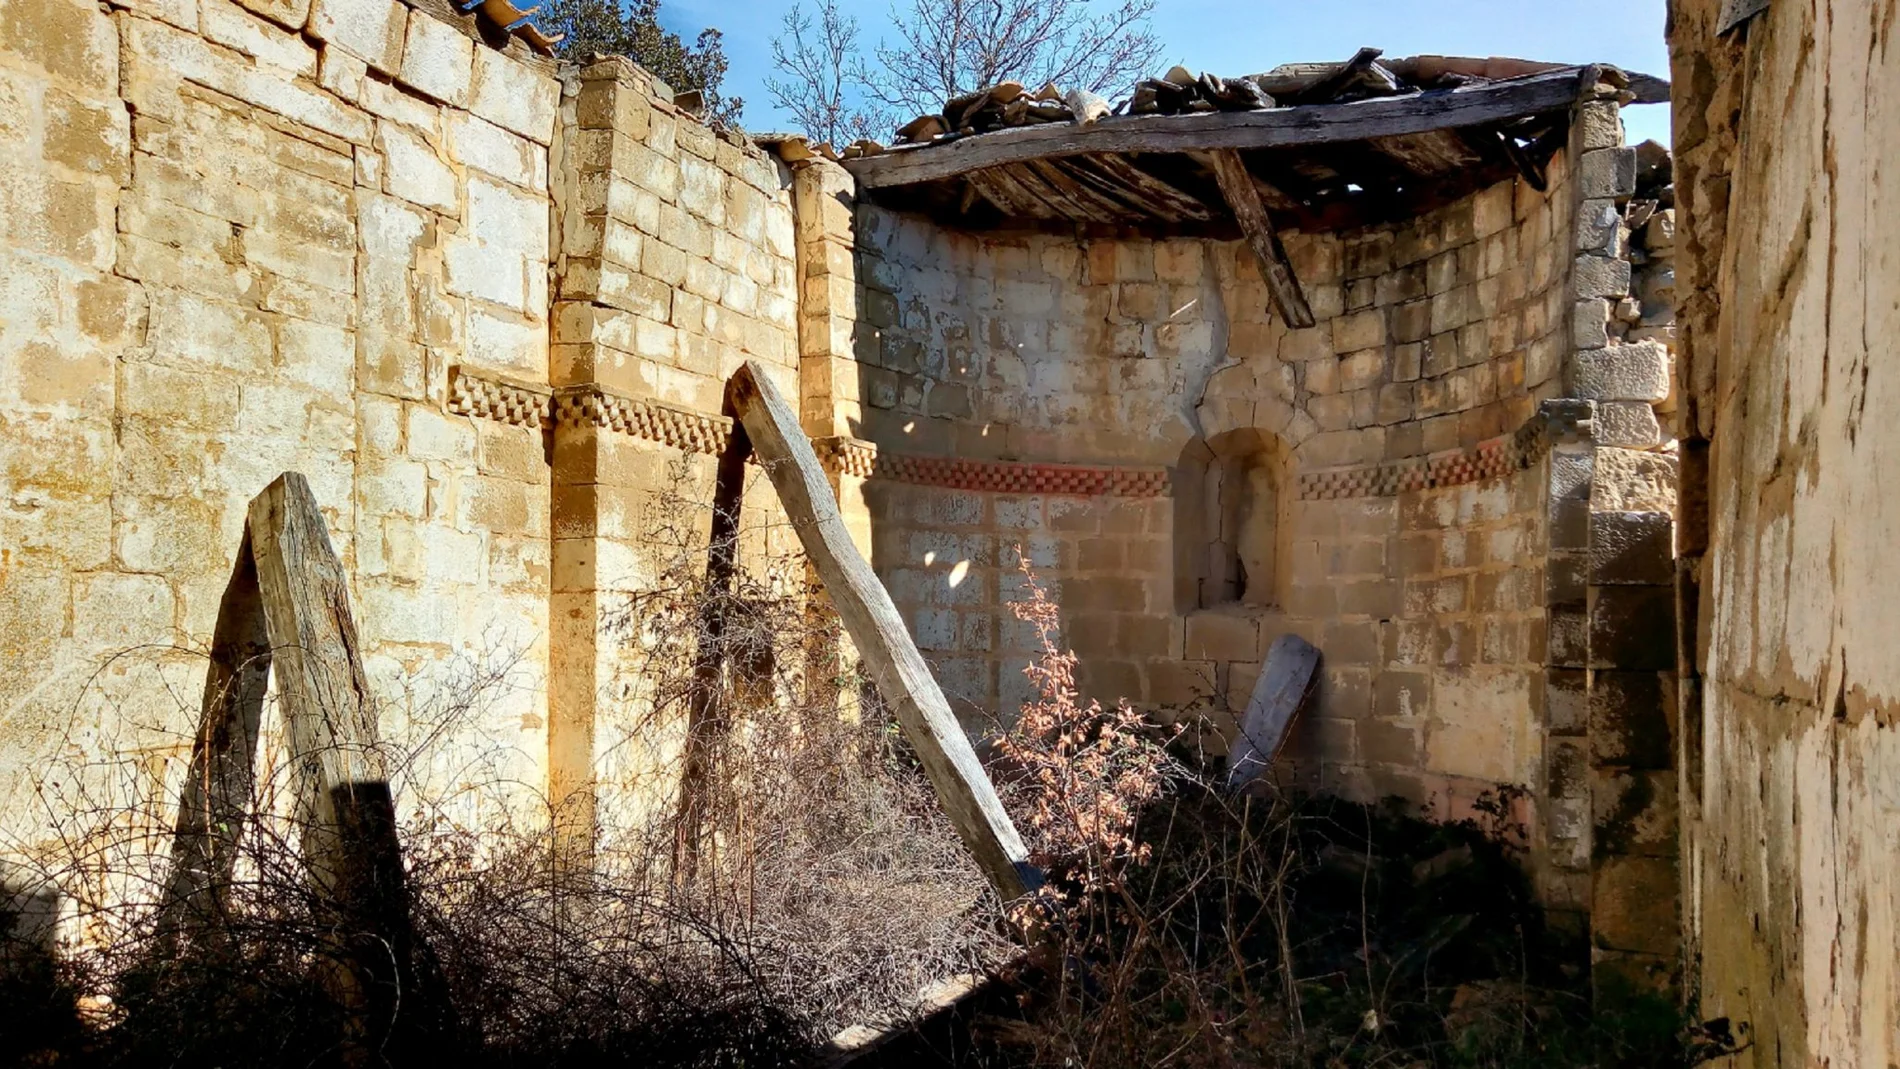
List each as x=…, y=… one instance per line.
x=1391, y=355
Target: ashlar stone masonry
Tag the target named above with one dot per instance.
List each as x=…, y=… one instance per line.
x=487, y=305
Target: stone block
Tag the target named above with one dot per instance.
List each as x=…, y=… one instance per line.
x=341, y=73
x=232, y=26
x=437, y=60
x=1352, y=644
x=1633, y=627
x=75, y=41
x=414, y=172
x=1566, y=578
x=1361, y=330
x=1402, y=695
x=1567, y=701
x=1599, y=228
x=1601, y=276
x=1590, y=323
x=1631, y=481
x=1635, y=372
x=1492, y=210
x=1632, y=547
x=1339, y=448
x=1387, y=742
x=513, y=96
x=1607, y=172
x=1634, y=812
x=1633, y=905
x=191, y=57
x=1632, y=716
x=1599, y=125
x=1628, y=425
x=371, y=30
x=1222, y=636
x=1361, y=369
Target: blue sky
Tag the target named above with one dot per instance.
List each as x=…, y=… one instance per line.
x=1229, y=37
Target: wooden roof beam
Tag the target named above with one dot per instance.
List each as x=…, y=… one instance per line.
x=1243, y=198
x=1475, y=105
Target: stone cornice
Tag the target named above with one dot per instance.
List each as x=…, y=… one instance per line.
x=526, y=405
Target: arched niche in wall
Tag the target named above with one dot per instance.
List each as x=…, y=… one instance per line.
x=1232, y=493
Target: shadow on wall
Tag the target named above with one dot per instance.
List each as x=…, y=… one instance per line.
x=35, y=1009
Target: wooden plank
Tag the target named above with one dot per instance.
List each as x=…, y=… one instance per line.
x=1008, y=195
x=963, y=788
x=1093, y=205
x=1472, y=105
x=1736, y=12
x=217, y=794
x=1237, y=185
x=1343, y=76
x=1285, y=681
x=1157, y=195
x=349, y=813
x=325, y=694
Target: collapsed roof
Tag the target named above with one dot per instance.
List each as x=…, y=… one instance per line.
x=1328, y=146
x=1316, y=147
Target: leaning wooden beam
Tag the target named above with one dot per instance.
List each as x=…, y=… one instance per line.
x=1315, y=124
x=1285, y=680
x=350, y=842
x=1237, y=185
x=898, y=669
x=217, y=796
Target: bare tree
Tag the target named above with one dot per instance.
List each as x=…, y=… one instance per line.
x=949, y=47
x=946, y=48
x=824, y=76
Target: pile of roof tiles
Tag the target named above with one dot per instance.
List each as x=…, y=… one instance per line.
x=1181, y=92
x=1008, y=105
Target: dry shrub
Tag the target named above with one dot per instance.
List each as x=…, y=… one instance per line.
x=1189, y=926
x=816, y=884
x=769, y=871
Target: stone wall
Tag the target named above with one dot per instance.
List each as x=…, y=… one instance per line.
x=1095, y=392
x=486, y=310
x=675, y=265
x=1786, y=135
x=246, y=240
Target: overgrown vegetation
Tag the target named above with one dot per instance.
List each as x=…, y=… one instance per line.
x=804, y=880
x=632, y=28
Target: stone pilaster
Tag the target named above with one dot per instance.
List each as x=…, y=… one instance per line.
x=1613, y=779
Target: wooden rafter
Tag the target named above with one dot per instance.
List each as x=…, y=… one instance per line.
x=1310, y=125
x=1243, y=199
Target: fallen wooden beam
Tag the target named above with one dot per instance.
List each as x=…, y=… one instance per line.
x=1474, y=105
x=1237, y=185
x=963, y=788
x=1285, y=681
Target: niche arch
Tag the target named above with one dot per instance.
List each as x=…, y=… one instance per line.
x=1232, y=500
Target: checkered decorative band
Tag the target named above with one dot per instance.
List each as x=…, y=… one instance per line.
x=525, y=405
x=655, y=421
x=501, y=400
x=1486, y=460
x=853, y=456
